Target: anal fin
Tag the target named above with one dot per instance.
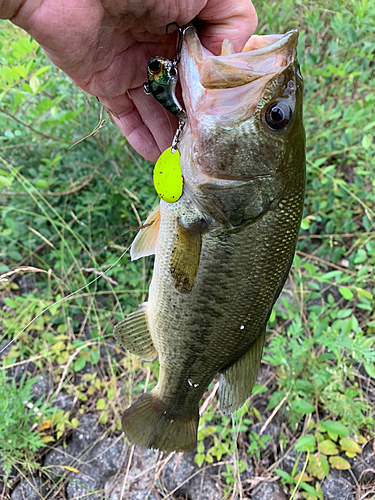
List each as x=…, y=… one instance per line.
x=133, y=333
x=237, y=381
x=144, y=243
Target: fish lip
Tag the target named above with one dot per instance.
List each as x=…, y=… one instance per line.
x=196, y=49
x=290, y=39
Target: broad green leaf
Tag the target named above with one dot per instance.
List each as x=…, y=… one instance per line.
x=59, y=346
x=34, y=84
x=41, y=184
x=367, y=141
x=350, y=445
x=364, y=293
x=79, y=364
x=315, y=466
x=259, y=389
x=339, y=463
x=103, y=417
x=111, y=394
x=199, y=459
x=94, y=356
x=367, y=223
x=332, y=436
x=304, y=385
x=335, y=427
x=242, y=465
x=48, y=439
x=100, y=404
x=370, y=369
x=361, y=256
x=305, y=443
x=15, y=255
x=302, y=406
x=10, y=302
x=200, y=447
x=346, y=293
x=328, y=447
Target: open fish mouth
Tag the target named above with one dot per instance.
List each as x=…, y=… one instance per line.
x=232, y=82
x=261, y=56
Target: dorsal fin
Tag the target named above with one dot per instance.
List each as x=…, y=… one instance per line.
x=144, y=243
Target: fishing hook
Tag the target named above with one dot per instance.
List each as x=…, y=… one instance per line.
x=181, y=32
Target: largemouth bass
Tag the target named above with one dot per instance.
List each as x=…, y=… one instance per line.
x=224, y=249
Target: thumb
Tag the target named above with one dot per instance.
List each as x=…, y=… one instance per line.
x=232, y=19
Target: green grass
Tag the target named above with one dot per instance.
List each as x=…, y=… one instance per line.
x=64, y=206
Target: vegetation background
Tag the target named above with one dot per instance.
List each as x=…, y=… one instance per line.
x=70, y=186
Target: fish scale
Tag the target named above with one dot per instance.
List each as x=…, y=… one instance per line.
x=224, y=249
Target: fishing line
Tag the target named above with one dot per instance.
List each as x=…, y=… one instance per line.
x=65, y=298
x=236, y=423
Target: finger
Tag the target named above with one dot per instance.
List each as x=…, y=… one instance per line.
x=131, y=124
x=232, y=19
x=159, y=121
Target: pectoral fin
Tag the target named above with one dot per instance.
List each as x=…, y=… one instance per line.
x=133, y=333
x=144, y=243
x=237, y=381
x=185, y=257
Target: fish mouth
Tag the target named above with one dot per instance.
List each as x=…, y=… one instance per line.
x=261, y=56
x=221, y=92
x=233, y=155
x=232, y=83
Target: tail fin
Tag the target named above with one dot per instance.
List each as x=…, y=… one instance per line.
x=149, y=424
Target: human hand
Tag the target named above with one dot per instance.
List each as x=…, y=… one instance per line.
x=104, y=47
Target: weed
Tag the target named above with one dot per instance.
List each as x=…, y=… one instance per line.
x=21, y=421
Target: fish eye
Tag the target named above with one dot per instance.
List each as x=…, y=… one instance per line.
x=278, y=115
x=154, y=66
